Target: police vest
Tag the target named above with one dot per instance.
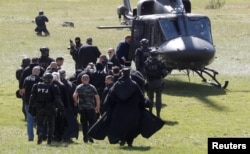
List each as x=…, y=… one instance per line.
x=153, y=69
x=44, y=93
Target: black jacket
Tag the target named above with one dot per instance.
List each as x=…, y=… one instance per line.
x=87, y=54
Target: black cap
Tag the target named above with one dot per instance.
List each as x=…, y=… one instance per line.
x=126, y=71
x=26, y=62
x=78, y=38
x=44, y=48
x=40, y=12
x=116, y=69
x=127, y=63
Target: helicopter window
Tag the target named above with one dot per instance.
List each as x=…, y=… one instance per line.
x=165, y=2
x=200, y=27
x=147, y=8
x=170, y=28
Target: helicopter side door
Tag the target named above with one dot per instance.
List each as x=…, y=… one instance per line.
x=144, y=29
x=137, y=32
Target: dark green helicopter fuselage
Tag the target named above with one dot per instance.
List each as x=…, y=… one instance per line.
x=184, y=40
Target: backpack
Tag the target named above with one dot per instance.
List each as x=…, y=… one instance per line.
x=153, y=68
x=19, y=73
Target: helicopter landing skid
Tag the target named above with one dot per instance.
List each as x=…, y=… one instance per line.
x=212, y=73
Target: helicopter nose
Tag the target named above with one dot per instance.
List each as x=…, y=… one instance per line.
x=188, y=49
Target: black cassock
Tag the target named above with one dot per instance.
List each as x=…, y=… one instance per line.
x=126, y=116
x=71, y=127
x=149, y=125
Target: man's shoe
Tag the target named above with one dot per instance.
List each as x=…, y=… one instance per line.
x=91, y=140
x=31, y=139
x=49, y=142
x=85, y=140
x=68, y=141
x=122, y=143
x=40, y=139
x=44, y=138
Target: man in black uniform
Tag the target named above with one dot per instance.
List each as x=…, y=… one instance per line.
x=141, y=55
x=44, y=99
x=44, y=59
x=28, y=71
x=74, y=50
x=25, y=63
x=155, y=70
x=27, y=87
x=41, y=26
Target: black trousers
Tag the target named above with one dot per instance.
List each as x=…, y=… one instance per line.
x=155, y=89
x=41, y=29
x=87, y=117
x=45, y=122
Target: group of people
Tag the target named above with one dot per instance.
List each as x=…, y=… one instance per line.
x=47, y=98
x=102, y=86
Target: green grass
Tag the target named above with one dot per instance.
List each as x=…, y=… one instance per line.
x=194, y=111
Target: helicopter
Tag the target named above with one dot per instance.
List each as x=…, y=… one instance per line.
x=183, y=39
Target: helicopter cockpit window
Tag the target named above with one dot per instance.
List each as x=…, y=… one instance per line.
x=169, y=28
x=200, y=27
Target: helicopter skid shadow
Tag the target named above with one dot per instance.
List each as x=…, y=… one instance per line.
x=190, y=89
x=170, y=123
x=136, y=148
x=199, y=91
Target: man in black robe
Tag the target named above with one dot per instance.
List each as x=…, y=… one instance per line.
x=125, y=117
x=88, y=54
x=126, y=102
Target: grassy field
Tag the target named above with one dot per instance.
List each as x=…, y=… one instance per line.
x=194, y=111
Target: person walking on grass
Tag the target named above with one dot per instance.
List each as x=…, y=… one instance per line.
x=88, y=101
